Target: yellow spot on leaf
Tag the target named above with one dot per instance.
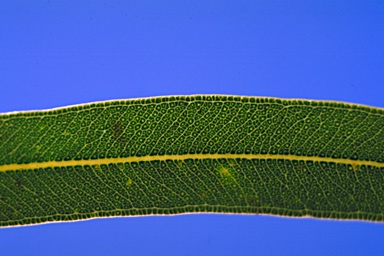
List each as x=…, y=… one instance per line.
x=129, y=182
x=224, y=171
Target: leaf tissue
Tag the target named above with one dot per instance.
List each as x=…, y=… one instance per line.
x=184, y=154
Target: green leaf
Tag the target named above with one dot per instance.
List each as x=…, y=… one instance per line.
x=183, y=154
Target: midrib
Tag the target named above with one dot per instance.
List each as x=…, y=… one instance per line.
x=52, y=164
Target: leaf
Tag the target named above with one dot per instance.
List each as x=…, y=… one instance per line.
x=184, y=154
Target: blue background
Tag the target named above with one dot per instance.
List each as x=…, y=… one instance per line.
x=58, y=53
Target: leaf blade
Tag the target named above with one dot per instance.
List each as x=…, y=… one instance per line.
x=303, y=158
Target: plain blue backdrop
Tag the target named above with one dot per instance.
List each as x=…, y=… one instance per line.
x=58, y=53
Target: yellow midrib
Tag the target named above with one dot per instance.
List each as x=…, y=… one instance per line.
x=52, y=164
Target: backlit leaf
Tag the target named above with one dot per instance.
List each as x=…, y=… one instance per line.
x=183, y=154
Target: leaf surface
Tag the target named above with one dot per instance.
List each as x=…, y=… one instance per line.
x=184, y=154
